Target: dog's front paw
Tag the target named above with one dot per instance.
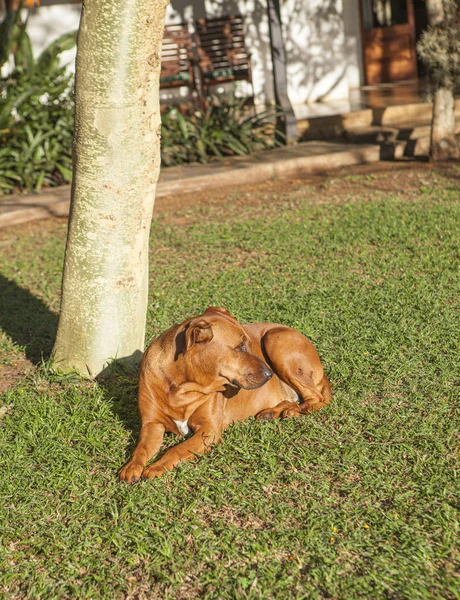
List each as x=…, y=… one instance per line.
x=153, y=471
x=131, y=472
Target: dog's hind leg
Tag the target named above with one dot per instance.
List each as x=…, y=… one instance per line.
x=296, y=362
x=283, y=410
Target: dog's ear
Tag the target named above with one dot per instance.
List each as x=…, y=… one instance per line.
x=198, y=332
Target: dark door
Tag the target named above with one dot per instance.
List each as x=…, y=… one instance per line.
x=388, y=37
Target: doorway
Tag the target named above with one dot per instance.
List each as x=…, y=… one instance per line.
x=388, y=39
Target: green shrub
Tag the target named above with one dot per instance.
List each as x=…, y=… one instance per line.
x=36, y=121
x=224, y=129
x=439, y=48
x=37, y=117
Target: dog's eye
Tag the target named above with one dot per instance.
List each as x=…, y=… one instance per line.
x=242, y=347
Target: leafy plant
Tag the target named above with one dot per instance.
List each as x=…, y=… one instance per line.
x=13, y=36
x=439, y=48
x=36, y=121
x=36, y=117
x=224, y=129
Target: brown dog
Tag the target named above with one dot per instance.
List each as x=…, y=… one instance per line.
x=208, y=372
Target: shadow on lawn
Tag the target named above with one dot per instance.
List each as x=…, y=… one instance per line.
x=33, y=326
x=120, y=384
x=27, y=320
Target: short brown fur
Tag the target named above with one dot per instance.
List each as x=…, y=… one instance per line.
x=209, y=372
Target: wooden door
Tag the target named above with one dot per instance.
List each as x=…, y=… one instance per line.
x=388, y=38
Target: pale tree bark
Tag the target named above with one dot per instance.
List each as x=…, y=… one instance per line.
x=443, y=142
x=116, y=167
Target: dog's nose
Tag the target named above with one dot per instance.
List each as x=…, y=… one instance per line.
x=267, y=373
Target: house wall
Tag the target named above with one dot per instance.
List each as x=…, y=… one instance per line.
x=49, y=21
x=353, y=48
x=321, y=38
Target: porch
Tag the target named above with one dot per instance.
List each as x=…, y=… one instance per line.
x=397, y=116
x=367, y=97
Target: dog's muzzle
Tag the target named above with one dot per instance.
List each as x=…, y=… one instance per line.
x=255, y=380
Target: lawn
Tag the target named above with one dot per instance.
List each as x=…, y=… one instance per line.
x=360, y=500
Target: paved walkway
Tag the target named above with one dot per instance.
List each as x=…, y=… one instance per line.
x=307, y=157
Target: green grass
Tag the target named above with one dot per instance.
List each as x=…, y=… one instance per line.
x=357, y=501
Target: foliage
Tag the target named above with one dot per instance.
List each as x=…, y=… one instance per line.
x=14, y=41
x=36, y=120
x=439, y=48
x=358, y=501
x=224, y=129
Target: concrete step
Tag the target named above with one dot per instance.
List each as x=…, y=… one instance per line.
x=405, y=148
x=334, y=126
x=378, y=134
x=396, y=139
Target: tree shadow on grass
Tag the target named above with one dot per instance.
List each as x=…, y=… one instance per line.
x=29, y=323
x=120, y=381
x=33, y=326
x=27, y=320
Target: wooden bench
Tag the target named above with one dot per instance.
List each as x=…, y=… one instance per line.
x=222, y=53
x=177, y=58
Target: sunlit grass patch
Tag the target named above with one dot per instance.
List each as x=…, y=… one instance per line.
x=357, y=501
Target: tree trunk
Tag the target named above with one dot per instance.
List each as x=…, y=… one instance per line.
x=443, y=143
x=116, y=168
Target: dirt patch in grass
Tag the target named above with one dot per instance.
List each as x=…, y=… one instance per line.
x=358, y=181
x=11, y=373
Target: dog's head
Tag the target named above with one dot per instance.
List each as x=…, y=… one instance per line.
x=217, y=350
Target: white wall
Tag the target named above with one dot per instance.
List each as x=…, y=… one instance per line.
x=50, y=21
x=314, y=37
x=315, y=42
x=322, y=40
x=353, y=48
